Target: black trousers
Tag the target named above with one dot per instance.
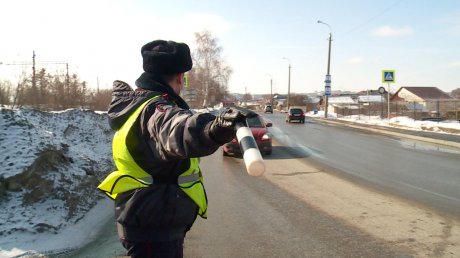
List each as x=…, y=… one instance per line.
x=163, y=249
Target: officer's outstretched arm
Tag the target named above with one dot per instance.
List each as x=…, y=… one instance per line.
x=178, y=133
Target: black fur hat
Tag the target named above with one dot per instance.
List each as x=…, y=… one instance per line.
x=166, y=57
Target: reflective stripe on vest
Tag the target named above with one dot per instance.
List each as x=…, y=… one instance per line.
x=130, y=175
x=191, y=182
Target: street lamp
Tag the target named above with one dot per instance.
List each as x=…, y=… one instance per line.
x=289, y=83
x=327, y=81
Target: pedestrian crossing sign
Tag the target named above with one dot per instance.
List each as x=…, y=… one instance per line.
x=388, y=76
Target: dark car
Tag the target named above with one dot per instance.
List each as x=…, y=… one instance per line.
x=259, y=130
x=268, y=109
x=295, y=114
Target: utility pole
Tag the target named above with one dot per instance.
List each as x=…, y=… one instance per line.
x=34, y=84
x=271, y=92
x=327, y=81
x=245, y=96
x=289, y=87
x=328, y=75
x=34, y=77
x=289, y=83
x=34, y=66
x=33, y=70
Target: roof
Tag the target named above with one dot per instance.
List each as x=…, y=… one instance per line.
x=341, y=100
x=426, y=93
x=371, y=98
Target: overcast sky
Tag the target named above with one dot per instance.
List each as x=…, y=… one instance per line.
x=101, y=40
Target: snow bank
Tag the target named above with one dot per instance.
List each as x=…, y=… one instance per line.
x=51, y=164
x=448, y=127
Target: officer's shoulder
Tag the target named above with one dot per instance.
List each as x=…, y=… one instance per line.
x=160, y=104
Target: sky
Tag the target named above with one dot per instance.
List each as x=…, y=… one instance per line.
x=101, y=40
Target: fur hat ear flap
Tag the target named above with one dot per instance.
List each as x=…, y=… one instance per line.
x=166, y=57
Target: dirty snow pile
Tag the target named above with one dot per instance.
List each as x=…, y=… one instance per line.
x=50, y=165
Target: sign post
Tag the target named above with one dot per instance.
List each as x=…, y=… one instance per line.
x=388, y=76
x=327, y=92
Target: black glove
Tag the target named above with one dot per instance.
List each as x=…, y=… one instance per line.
x=245, y=113
x=223, y=128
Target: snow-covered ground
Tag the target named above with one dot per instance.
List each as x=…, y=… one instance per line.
x=71, y=152
x=51, y=163
x=449, y=127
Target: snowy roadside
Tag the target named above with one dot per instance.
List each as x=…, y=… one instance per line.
x=51, y=164
x=446, y=127
x=70, y=238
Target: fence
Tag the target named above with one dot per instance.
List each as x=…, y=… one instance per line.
x=422, y=110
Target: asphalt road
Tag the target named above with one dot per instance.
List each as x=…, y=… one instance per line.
x=421, y=172
x=251, y=217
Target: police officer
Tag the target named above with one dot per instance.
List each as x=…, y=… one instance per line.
x=158, y=186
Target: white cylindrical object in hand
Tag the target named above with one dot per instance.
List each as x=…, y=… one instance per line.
x=252, y=158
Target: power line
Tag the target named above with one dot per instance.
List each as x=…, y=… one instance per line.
x=374, y=17
x=34, y=63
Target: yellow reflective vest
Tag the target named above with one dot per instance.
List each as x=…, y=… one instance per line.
x=130, y=175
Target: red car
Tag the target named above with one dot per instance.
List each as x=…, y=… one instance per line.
x=259, y=130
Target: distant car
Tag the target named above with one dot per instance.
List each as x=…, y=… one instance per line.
x=295, y=114
x=268, y=109
x=259, y=130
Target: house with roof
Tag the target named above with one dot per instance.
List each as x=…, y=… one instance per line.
x=419, y=94
x=355, y=104
x=426, y=99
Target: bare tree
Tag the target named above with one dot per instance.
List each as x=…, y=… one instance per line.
x=59, y=92
x=210, y=73
x=51, y=91
x=100, y=99
x=5, y=92
x=19, y=93
x=297, y=100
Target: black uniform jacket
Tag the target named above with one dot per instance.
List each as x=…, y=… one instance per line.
x=163, y=139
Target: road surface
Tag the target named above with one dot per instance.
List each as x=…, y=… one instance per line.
x=422, y=172
x=252, y=217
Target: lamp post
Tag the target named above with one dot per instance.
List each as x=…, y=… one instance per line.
x=289, y=83
x=327, y=81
